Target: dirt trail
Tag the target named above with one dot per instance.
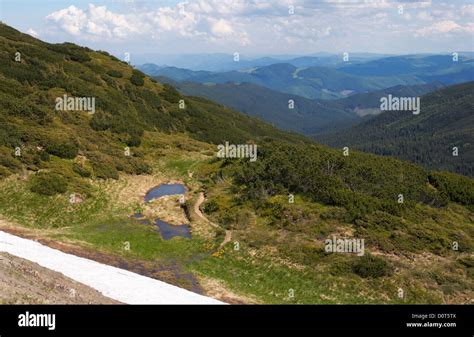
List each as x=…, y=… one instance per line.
x=197, y=210
x=227, y=239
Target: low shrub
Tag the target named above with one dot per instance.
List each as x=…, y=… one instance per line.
x=81, y=170
x=48, y=183
x=138, y=78
x=457, y=188
x=104, y=167
x=170, y=94
x=371, y=266
x=62, y=149
x=211, y=207
x=115, y=73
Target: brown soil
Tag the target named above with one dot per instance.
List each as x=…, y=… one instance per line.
x=25, y=282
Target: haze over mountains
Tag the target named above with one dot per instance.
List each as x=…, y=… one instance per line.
x=239, y=150
x=336, y=81
x=221, y=62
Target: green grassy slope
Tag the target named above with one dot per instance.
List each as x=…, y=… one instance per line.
x=124, y=108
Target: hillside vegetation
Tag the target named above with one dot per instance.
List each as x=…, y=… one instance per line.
x=446, y=121
x=287, y=112
x=306, y=116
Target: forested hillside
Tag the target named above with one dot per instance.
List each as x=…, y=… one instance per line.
x=446, y=122
x=309, y=117
x=369, y=103
x=285, y=111
x=128, y=103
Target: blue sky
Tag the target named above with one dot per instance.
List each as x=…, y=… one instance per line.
x=252, y=27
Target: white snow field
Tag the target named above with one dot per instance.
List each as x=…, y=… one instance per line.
x=115, y=283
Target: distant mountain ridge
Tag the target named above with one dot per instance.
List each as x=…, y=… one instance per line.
x=221, y=62
x=313, y=83
x=369, y=103
x=307, y=116
x=335, y=81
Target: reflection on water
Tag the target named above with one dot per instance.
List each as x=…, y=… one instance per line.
x=166, y=230
x=170, y=231
x=165, y=189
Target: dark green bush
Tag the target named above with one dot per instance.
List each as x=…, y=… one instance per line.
x=8, y=160
x=48, y=183
x=170, y=94
x=115, y=73
x=81, y=170
x=103, y=165
x=372, y=266
x=138, y=78
x=457, y=188
x=139, y=166
x=72, y=51
x=4, y=172
x=211, y=206
x=108, y=80
x=104, y=171
x=64, y=149
x=131, y=139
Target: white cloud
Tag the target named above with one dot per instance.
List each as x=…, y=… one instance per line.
x=32, y=32
x=425, y=16
x=221, y=28
x=94, y=21
x=70, y=19
x=264, y=24
x=467, y=11
x=445, y=27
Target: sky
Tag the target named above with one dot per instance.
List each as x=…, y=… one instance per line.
x=251, y=27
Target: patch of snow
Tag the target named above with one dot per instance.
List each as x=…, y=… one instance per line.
x=118, y=284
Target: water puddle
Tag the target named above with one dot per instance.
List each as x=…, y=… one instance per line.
x=166, y=230
x=163, y=190
x=170, y=231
